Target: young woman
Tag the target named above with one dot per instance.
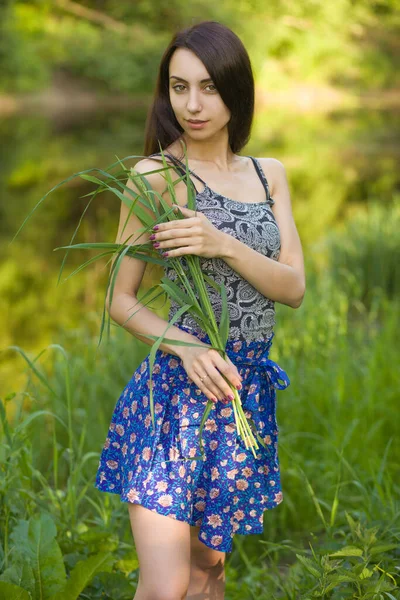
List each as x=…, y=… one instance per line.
x=184, y=513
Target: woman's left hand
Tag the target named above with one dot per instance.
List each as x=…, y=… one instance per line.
x=192, y=235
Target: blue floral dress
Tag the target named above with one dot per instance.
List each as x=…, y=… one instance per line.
x=228, y=489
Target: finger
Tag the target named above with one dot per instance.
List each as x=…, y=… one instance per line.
x=174, y=232
x=183, y=251
x=217, y=384
x=211, y=386
x=210, y=375
x=203, y=388
x=178, y=224
x=228, y=369
x=235, y=369
x=177, y=242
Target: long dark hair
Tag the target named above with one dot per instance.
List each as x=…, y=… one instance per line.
x=228, y=63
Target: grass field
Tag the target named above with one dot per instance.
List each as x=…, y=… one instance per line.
x=336, y=534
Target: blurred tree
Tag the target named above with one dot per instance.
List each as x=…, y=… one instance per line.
x=116, y=46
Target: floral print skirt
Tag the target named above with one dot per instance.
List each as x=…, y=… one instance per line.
x=228, y=489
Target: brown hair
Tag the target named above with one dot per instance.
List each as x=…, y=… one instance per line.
x=228, y=63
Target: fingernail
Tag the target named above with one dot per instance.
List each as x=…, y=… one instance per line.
x=231, y=397
x=156, y=244
x=155, y=227
x=153, y=236
x=239, y=386
x=165, y=253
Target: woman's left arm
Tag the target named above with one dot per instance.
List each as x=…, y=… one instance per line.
x=283, y=280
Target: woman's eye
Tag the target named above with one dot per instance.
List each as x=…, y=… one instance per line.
x=182, y=86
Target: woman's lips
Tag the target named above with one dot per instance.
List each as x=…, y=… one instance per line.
x=198, y=125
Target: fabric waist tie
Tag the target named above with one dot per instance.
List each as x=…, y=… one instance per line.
x=260, y=360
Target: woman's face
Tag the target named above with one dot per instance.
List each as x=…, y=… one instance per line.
x=192, y=98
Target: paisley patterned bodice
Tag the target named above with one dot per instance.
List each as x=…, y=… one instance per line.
x=252, y=315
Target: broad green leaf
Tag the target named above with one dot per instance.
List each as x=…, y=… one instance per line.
x=348, y=551
x=366, y=573
x=336, y=580
x=9, y=591
x=129, y=563
x=382, y=548
x=309, y=565
x=35, y=540
x=20, y=573
x=83, y=573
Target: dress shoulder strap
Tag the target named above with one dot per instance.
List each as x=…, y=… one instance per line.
x=263, y=178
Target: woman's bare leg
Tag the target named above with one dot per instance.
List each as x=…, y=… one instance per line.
x=207, y=572
x=163, y=547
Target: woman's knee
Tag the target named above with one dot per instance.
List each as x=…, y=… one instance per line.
x=202, y=556
x=160, y=591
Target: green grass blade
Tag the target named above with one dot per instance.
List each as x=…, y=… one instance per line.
x=224, y=323
x=87, y=263
x=191, y=195
x=144, y=304
x=175, y=292
x=74, y=235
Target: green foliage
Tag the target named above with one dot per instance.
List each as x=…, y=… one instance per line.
x=361, y=571
x=364, y=256
x=339, y=455
x=104, y=60
x=116, y=45
x=35, y=556
x=21, y=66
x=38, y=569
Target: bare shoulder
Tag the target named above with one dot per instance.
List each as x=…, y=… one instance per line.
x=275, y=173
x=150, y=168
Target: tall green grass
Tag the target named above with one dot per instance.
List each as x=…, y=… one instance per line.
x=336, y=534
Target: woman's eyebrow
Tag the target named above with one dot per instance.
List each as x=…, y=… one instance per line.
x=181, y=79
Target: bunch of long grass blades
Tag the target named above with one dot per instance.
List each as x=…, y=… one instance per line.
x=191, y=295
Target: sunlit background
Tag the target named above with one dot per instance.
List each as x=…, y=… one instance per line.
x=76, y=79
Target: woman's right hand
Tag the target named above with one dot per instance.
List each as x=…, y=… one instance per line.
x=207, y=364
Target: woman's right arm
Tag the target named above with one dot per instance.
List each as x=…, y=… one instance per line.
x=130, y=275
x=196, y=361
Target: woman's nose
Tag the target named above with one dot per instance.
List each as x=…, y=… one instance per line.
x=193, y=102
